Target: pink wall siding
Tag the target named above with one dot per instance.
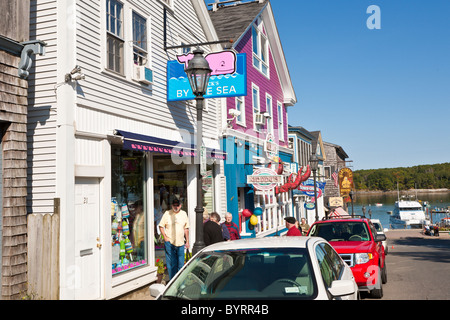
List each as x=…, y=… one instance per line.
x=271, y=85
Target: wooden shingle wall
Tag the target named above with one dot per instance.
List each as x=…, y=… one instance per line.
x=13, y=118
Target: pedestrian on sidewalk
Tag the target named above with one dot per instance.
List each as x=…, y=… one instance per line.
x=304, y=227
x=212, y=231
x=231, y=226
x=292, y=229
x=174, y=227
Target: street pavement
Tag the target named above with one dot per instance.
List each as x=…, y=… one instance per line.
x=418, y=266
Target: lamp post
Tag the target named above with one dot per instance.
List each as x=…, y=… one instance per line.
x=351, y=198
x=198, y=72
x=314, y=162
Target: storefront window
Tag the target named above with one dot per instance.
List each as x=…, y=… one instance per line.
x=128, y=217
x=170, y=182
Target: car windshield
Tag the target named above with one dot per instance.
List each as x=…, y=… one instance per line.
x=276, y=273
x=341, y=231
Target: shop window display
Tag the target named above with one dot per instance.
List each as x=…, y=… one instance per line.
x=128, y=217
x=170, y=182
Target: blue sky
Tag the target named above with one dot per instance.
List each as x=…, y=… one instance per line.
x=381, y=94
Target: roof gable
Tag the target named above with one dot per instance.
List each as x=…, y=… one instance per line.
x=233, y=22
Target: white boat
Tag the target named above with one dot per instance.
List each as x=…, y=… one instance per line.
x=408, y=214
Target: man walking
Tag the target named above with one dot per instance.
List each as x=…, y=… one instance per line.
x=212, y=232
x=292, y=229
x=174, y=227
x=232, y=227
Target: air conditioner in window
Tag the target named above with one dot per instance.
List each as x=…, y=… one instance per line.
x=143, y=74
x=260, y=119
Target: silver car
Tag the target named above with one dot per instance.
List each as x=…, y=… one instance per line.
x=305, y=268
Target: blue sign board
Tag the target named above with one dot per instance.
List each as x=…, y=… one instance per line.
x=221, y=83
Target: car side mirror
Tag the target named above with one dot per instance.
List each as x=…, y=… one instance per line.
x=380, y=237
x=340, y=288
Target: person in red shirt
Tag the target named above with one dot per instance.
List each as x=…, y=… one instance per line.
x=292, y=229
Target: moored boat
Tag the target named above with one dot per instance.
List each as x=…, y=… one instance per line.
x=408, y=214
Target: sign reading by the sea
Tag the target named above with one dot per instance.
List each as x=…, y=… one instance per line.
x=264, y=179
x=228, y=76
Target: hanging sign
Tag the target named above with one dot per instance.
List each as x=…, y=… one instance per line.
x=345, y=181
x=228, y=77
x=307, y=187
x=264, y=179
x=310, y=205
x=270, y=146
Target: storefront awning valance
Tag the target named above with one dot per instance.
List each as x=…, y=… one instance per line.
x=139, y=142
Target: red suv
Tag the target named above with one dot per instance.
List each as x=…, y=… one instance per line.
x=356, y=240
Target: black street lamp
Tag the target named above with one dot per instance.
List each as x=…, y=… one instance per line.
x=314, y=162
x=198, y=72
x=351, y=198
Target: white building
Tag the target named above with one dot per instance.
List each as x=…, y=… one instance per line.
x=82, y=127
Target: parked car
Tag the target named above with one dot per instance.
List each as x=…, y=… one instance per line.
x=380, y=230
x=268, y=268
x=358, y=243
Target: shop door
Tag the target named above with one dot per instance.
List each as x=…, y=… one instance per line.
x=87, y=238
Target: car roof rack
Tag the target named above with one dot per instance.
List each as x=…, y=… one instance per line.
x=345, y=217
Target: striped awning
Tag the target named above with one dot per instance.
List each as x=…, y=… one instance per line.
x=139, y=142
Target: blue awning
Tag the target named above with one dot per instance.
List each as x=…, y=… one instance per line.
x=139, y=142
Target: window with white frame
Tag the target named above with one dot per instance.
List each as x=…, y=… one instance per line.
x=139, y=40
x=240, y=106
x=260, y=50
x=269, y=109
x=256, y=105
x=115, y=38
x=280, y=121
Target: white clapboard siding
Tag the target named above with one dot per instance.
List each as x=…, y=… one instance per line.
x=41, y=127
x=105, y=101
x=120, y=96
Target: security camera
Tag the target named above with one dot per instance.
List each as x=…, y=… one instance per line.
x=234, y=113
x=266, y=115
x=77, y=69
x=78, y=77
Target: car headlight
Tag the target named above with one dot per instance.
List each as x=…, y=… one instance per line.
x=361, y=258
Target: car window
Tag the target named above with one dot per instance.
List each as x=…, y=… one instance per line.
x=341, y=231
x=276, y=273
x=336, y=262
x=326, y=266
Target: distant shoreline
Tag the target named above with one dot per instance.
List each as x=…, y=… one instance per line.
x=411, y=191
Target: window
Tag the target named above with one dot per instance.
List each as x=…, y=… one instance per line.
x=280, y=121
x=114, y=27
x=139, y=40
x=327, y=173
x=256, y=106
x=240, y=106
x=260, y=50
x=128, y=215
x=330, y=264
x=246, y=274
x=269, y=109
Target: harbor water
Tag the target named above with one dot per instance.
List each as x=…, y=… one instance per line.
x=387, y=201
